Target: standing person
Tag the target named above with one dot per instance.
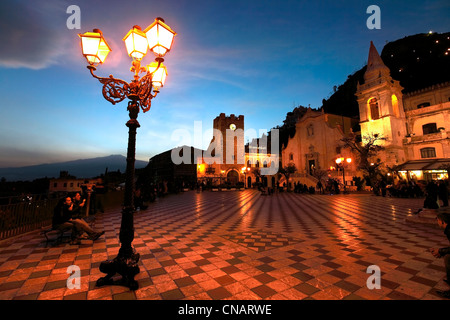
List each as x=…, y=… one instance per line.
x=443, y=222
x=320, y=187
x=383, y=188
x=443, y=193
x=336, y=186
x=63, y=218
x=431, y=197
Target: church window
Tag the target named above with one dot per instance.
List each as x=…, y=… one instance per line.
x=429, y=128
x=428, y=153
x=395, y=105
x=291, y=156
x=310, y=130
x=374, y=109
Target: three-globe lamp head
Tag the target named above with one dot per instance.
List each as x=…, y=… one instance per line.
x=158, y=37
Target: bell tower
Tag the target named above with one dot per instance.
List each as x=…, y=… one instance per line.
x=381, y=112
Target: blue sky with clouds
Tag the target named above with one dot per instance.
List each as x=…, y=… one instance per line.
x=257, y=58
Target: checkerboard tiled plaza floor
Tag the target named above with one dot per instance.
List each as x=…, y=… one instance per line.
x=241, y=245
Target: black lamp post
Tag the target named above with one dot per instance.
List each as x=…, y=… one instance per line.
x=342, y=163
x=140, y=91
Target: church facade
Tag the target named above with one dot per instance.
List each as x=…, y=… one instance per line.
x=415, y=125
x=415, y=128
x=315, y=147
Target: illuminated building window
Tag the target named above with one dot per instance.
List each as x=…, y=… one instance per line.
x=429, y=128
x=395, y=105
x=428, y=153
x=374, y=110
x=423, y=105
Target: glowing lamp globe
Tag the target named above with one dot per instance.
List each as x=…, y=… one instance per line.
x=158, y=72
x=136, y=43
x=159, y=37
x=94, y=47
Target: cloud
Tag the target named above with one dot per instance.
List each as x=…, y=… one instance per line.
x=31, y=33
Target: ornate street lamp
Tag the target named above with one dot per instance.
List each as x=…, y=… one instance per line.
x=140, y=91
x=244, y=170
x=342, y=162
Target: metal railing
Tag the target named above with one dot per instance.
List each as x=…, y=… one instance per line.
x=25, y=216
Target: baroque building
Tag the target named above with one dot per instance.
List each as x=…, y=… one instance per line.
x=415, y=125
x=316, y=145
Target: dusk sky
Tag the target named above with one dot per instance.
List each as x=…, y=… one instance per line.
x=255, y=58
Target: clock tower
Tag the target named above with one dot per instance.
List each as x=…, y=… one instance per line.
x=230, y=128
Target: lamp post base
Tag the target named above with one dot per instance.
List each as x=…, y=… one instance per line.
x=127, y=268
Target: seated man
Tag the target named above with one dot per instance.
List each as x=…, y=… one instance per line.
x=78, y=206
x=62, y=219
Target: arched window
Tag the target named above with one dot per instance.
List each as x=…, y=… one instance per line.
x=428, y=153
x=395, y=105
x=374, y=110
x=291, y=156
x=265, y=164
x=310, y=130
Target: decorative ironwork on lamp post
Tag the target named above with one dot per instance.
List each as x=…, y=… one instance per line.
x=158, y=37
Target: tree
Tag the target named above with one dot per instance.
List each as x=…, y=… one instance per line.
x=366, y=152
x=320, y=174
x=287, y=171
x=257, y=173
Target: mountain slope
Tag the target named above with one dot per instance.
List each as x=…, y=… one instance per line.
x=417, y=61
x=82, y=168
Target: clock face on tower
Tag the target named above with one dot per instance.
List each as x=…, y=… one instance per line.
x=233, y=126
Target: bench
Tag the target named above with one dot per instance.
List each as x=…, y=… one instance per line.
x=58, y=234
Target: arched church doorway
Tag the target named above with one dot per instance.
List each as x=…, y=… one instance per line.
x=233, y=177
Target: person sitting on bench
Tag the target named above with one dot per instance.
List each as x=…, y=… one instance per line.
x=62, y=219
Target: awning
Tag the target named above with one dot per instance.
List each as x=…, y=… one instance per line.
x=430, y=164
